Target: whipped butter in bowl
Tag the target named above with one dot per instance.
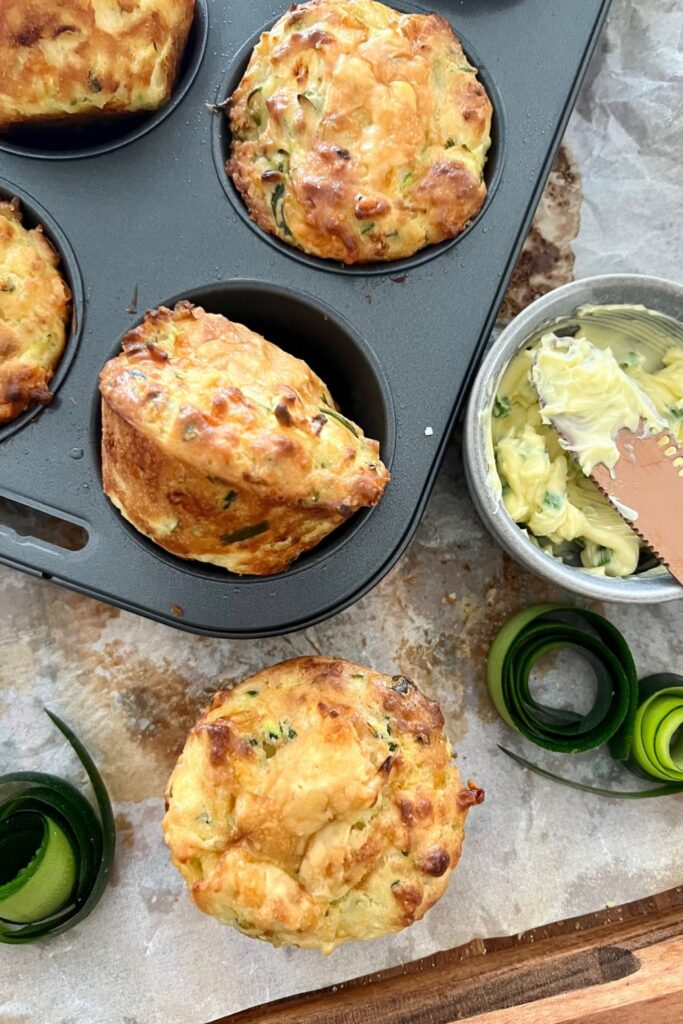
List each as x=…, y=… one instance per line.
x=607, y=351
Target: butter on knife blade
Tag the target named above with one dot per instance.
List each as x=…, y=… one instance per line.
x=619, y=439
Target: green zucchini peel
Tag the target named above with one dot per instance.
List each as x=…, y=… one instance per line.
x=341, y=419
x=619, y=794
x=56, y=853
x=641, y=720
x=525, y=639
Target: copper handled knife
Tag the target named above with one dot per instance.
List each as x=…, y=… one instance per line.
x=646, y=488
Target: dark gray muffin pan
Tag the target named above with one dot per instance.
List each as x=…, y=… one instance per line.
x=143, y=214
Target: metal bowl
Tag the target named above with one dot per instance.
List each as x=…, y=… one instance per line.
x=647, y=587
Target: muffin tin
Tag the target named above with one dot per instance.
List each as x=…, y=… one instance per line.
x=150, y=222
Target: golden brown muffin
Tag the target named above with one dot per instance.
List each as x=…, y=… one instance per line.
x=221, y=447
x=80, y=59
x=360, y=133
x=317, y=802
x=34, y=313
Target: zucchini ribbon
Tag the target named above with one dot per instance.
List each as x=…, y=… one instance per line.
x=55, y=852
x=641, y=720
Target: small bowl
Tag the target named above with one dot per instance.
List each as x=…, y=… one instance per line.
x=648, y=587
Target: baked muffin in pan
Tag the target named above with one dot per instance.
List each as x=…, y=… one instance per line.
x=77, y=60
x=317, y=802
x=220, y=447
x=35, y=306
x=360, y=133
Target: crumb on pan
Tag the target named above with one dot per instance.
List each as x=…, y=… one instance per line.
x=360, y=133
x=317, y=802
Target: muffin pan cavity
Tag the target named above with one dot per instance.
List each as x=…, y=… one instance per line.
x=221, y=143
x=311, y=331
x=72, y=142
x=33, y=215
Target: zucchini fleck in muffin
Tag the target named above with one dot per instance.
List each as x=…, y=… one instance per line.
x=82, y=59
x=220, y=447
x=317, y=802
x=360, y=133
x=35, y=307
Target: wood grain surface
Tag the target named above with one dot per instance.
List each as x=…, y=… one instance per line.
x=619, y=966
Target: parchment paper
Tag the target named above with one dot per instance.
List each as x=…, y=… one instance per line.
x=534, y=852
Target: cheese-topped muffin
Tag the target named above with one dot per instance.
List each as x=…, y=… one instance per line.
x=34, y=314
x=80, y=59
x=317, y=802
x=221, y=447
x=360, y=133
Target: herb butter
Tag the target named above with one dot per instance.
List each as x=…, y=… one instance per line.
x=588, y=398
x=626, y=363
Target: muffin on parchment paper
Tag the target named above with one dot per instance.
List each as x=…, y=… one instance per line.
x=34, y=314
x=220, y=447
x=83, y=59
x=360, y=133
x=317, y=802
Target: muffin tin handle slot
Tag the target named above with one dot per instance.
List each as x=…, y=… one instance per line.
x=29, y=522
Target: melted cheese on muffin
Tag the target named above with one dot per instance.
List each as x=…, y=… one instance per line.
x=360, y=133
x=317, y=802
x=221, y=447
x=34, y=312
x=88, y=58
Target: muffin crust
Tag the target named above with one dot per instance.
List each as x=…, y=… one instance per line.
x=360, y=133
x=34, y=314
x=317, y=802
x=221, y=447
x=83, y=59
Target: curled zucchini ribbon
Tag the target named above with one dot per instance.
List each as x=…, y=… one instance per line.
x=529, y=636
x=641, y=721
x=55, y=853
x=656, y=750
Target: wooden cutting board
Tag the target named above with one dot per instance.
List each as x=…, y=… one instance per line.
x=619, y=966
